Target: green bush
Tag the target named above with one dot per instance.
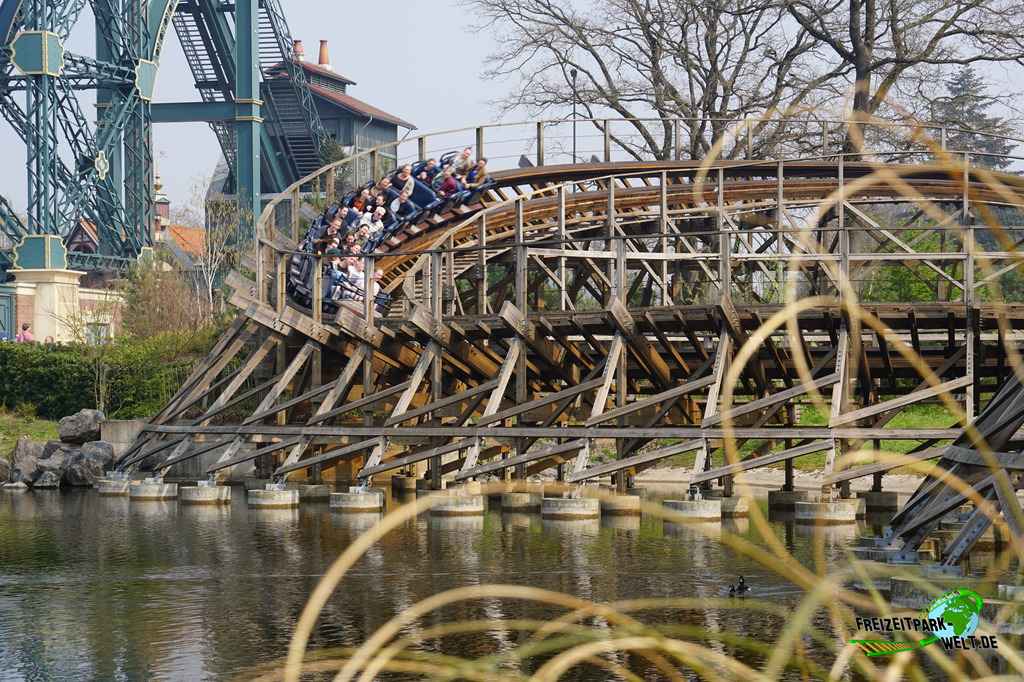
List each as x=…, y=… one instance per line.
x=140, y=374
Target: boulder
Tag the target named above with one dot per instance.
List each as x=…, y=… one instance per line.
x=56, y=456
x=15, y=487
x=25, y=460
x=81, y=427
x=34, y=461
x=5, y=470
x=47, y=479
x=86, y=465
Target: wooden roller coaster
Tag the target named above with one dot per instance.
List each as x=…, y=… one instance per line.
x=583, y=319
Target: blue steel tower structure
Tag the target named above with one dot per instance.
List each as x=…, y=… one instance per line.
x=102, y=170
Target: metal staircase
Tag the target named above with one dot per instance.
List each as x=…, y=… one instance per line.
x=293, y=131
x=295, y=121
x=213, y=77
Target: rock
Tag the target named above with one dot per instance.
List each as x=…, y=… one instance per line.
x=86, y=465
x=5, y=470
x=81, y=427
x=25, y=460
x=47, y=479
x=15, y=487
x=56, y=456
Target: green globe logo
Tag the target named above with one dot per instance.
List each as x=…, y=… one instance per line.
x=960, y=610
x=957, y=612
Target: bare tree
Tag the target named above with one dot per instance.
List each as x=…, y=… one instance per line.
x=223, y=238
x=892, y=44
x=705, y=62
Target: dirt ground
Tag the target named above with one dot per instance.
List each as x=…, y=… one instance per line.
x=773, y=479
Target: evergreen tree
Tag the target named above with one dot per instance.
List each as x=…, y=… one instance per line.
x=964, y=112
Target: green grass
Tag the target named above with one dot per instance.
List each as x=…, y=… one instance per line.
x=13, y=426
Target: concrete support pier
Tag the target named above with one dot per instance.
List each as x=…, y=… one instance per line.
x=403, y=484
x=786, y=499
x=840, y=511
x=735, y=507
x=356, y=501
x=152, y=489
x=204, y=493
x=524, y=503
x=113, y=487
x=700, y=510
x=460, y=505
x=272, y=497
x=426, y=485
x=877, y=500
x=570, y=508
x=620, y=505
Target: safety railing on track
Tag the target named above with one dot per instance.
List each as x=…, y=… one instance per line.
x=288, y=214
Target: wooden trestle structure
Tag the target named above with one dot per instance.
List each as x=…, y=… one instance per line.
x=583, y=319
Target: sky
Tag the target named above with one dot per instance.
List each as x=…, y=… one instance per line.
x=418, y=60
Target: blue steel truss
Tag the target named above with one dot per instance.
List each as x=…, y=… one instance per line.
x=102, y=170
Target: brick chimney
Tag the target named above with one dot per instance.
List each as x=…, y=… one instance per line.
x=325, y=60
x=298, y=51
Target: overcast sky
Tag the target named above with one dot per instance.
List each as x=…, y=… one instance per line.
x=417, y=60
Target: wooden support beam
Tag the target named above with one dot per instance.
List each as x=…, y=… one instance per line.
x=899, y=402
x=418, y=456
x=652, y=401
x=526, y=457
x=615, y=353
x=857, y=472
x=721, y=359
x=234, y=460
x=328, y=457
x=430, y=354
x=540, y=402
x=643, y=458
x=372, y=399
x=772, y=400
x=440, y=403
x=644, y=351
x=762, y=461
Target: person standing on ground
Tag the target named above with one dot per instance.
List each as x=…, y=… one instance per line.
x=25, y=336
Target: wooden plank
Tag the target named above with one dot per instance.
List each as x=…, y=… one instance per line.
x=371, y=399
x=327, y=457
x=187, y=453
x=443, y=402
x=502, y=464
x=642, y=348
x=774, y=399
x=241, y=459
x=196, y=374
x=635, y=460
x=433, y=431
x=540, y=402
x=672, y=393
x=900, y=402
x=764, y=460
x=418, y=456
x=427, y=358
x=339, y=389
x=297, y=363
x=871, y=469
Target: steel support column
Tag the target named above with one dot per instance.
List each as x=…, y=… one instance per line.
x=248, y=119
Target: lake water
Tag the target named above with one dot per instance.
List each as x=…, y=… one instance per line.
x=101, y=588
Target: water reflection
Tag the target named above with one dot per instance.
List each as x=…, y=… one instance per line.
x=627, y=525
x=102, y=588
